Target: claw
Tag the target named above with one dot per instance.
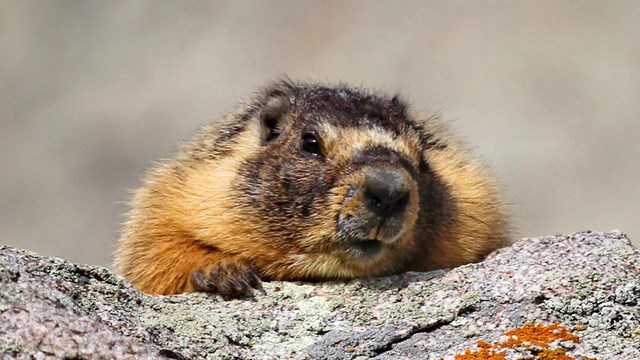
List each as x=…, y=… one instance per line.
x=231, y=279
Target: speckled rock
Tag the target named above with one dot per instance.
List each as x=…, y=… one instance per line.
x=589, y=282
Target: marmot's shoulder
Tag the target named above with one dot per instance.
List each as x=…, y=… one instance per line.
x=308, y=181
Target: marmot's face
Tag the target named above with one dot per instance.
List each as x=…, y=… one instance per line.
x=337, y=174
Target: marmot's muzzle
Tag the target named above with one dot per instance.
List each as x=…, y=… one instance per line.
x=375, y=211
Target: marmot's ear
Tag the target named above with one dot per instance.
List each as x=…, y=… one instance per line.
x=274, y=117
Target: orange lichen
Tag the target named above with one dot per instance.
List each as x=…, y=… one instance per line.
x=525, y=338
x=556, y=354
x=537, y=335
x=482, y=354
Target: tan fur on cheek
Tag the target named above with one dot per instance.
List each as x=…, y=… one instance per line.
x=344, y=204
x=207, y=199
x=479, y=223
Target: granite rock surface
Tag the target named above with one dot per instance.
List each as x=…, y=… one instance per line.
x=588, y=283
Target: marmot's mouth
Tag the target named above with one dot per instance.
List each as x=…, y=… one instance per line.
x=365, y=248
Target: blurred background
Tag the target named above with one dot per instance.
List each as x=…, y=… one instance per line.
x=547, y=93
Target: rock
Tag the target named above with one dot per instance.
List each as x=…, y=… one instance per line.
x=587, y=282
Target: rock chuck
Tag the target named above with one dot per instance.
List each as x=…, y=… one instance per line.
x=309, y=182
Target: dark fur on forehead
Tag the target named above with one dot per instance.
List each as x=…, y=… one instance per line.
x=344, y=105
x=340, y=105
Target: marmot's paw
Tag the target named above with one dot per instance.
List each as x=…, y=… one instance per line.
x=229, y=278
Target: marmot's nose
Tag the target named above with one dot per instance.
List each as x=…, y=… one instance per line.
x=386, y=192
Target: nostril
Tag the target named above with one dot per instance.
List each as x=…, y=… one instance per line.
x=373, y=198
x=399, y=206
x=386, y=191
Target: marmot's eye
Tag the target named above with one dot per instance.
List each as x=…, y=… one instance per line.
x=311, y=144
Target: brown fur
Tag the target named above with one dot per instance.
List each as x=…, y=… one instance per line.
x=244, y=201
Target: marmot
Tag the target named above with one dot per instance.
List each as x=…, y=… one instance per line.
x=309, y=182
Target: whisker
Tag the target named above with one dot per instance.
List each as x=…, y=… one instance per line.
x=475, y=218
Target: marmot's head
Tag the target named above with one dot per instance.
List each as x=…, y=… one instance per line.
x=344, y=164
